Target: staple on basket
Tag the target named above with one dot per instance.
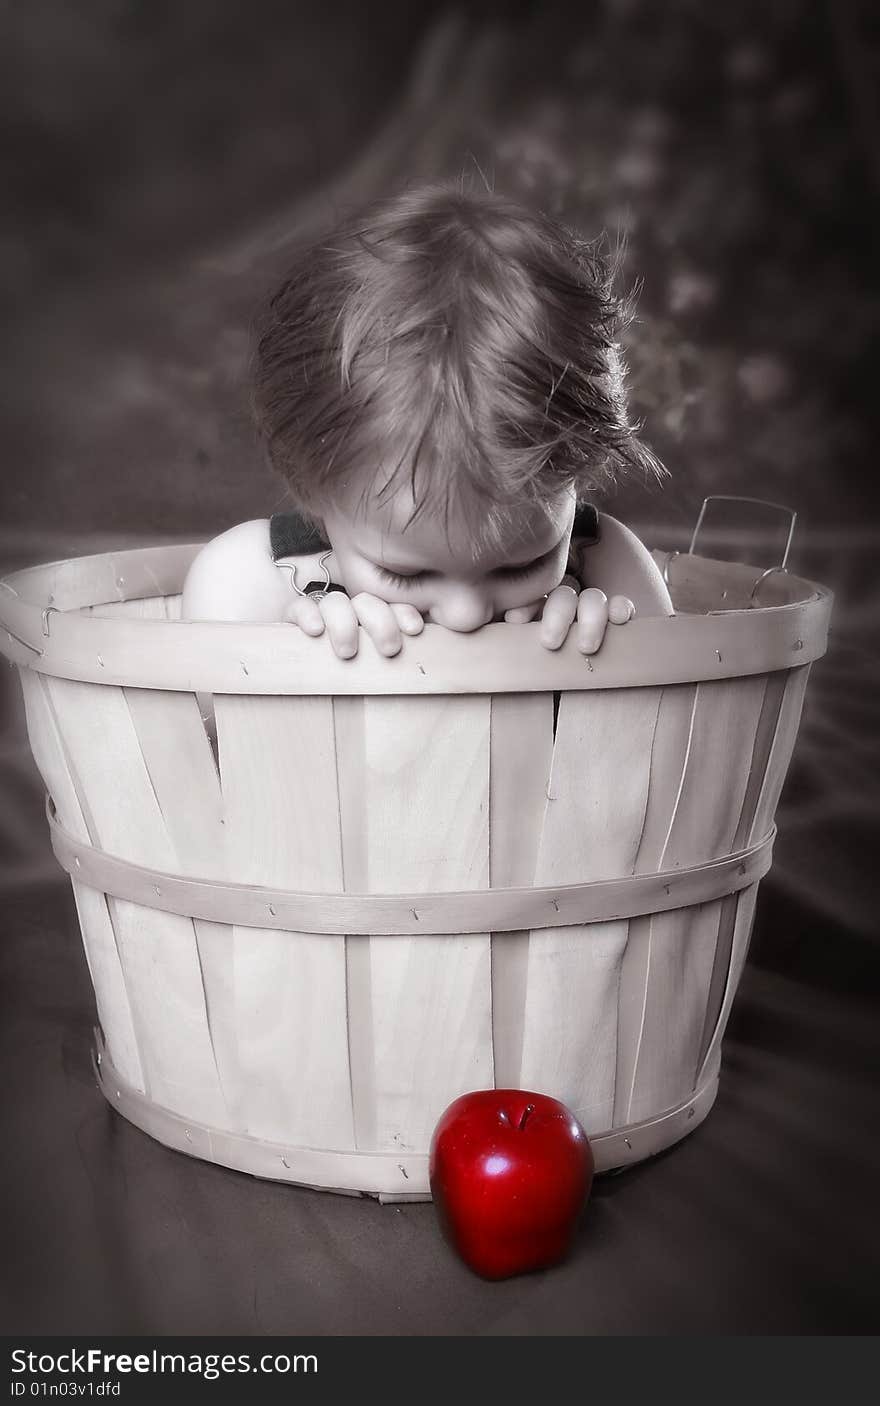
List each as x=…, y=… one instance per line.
x=320, y=898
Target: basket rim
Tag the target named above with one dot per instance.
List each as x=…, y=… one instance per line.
x=43, y=629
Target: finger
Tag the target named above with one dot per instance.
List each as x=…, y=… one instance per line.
x=304, y=612
x=620, y=609
x=522, y=614
x=592, y=618
x=409, y=619
x=559, y=612
x=342, y=625
x=379, y=621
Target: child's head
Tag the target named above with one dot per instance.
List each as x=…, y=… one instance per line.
x=450, y=356
x=382, y=548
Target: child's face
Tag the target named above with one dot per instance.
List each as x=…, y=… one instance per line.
x=434, y=566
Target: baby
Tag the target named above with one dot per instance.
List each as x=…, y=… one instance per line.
x=440, y=385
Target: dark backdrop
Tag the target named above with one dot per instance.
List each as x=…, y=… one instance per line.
x=163, y=157
x=165, y=154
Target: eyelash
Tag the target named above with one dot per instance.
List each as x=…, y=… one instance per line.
x=509, y=574
x=519, y=573
x=403, y=581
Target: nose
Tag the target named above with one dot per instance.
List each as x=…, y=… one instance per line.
x=462, y=607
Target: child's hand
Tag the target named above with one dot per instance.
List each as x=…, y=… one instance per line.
x=591, y=609
x=385, y=624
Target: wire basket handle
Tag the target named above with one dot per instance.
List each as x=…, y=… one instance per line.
x=761, y=503
x=737, y=498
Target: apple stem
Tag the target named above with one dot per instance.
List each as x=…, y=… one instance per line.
x=529, y=1109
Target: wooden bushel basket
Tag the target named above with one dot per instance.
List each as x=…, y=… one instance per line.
x=319, y=899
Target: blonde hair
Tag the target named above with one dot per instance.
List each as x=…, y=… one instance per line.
x=454, y=339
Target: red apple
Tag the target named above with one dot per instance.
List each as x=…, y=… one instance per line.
x=510, y=1172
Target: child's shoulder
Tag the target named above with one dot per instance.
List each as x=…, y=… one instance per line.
x=234, y=577
x=244, y=537
x=618, y=562
x=246, y=545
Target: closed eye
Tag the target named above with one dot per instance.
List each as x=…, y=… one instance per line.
x=507, y=573
x=516, y=573
x=394, y=578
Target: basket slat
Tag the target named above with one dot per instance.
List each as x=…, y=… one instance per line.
x=278, y=773
x=716, y=772
x=183, y=775
x=99, y=939
x=770, y=765
x=762, y=746
x=742, y=930
x=781, y=751
x=418, y=770
x=159, y=953
x=592, y=827
x=669, y=752
x=520, y=760
x=348, y=717
x=720, y=973
x=667, y=973
x=768, y=724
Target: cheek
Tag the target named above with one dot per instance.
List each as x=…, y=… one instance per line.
x=355, y=575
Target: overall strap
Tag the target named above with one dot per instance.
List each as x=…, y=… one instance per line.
x=586, y=523
x=585, y=532
x=290, y=535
